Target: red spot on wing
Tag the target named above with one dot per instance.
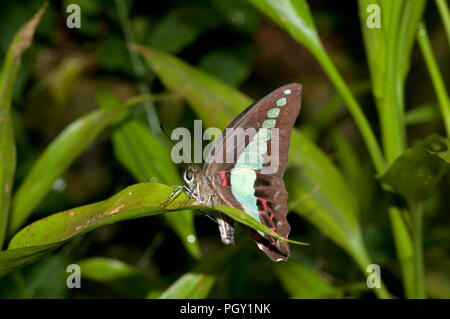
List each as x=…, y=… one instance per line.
x=224, y=177
x=264, y=202
x=271, y=216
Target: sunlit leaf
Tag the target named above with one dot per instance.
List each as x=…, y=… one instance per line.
x=140, y=200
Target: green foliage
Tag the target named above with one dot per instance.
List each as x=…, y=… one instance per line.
x=303, y=283
x=197, y=283
x=181, y=28
x=416, y=172
x=56, y=115
x=122, y=277
x=148, y=160
x=295, y=17
x=8, y=75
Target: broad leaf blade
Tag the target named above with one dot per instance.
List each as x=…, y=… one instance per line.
x=202, y=91
x=39, y=238
x=416, y=172
x=55, y=160
x=140, y=200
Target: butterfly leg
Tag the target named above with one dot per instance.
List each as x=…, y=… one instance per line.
x=174, y=195
x=226, y=228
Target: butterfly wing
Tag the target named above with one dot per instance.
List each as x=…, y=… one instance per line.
x=279, y=108
x=251, y=180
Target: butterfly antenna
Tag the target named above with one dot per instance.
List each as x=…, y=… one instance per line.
x=164, y=131
x=186, y=158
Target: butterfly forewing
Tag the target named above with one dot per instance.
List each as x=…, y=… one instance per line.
x=247, y=174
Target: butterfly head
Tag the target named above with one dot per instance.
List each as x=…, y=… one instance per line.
x=191, y=176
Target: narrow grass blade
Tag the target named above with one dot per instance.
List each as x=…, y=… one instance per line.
x=436, y=77
x=295, y=17
x=11, y=65
x=445, y=16
x=58, y=156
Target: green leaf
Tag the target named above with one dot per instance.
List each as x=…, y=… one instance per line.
x=140, y=200
x=120, y=276
x=61, y=80
x=445, y=16
x=58, y=156
x=148, y=160
x=322, y=120
x=202, y=91
x=421, y=114
x=436, y=77
x=38, y=239
x=416, y=172
x=197, y=283
x=301, y=282
x=320, y=193
x=117, y=62
x=388, y=51
x=44, y=280
x=401, y=229
x=239, y=15
x=182, y=27
x=233, y=66
x=295, y=17
x=323, y=197
x=11, y=65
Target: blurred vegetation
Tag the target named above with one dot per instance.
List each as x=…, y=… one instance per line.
x=80, y=111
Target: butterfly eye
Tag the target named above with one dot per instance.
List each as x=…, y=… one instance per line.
x=188, y=175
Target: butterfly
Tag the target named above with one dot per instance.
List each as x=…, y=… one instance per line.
x=242, y=175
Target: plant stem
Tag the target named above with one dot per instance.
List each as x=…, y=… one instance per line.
x=325, y=117
x=436, y=78
x=363, y=261
x=419, y=269
x=354, y=108
x=403, y=243
x=138, y=68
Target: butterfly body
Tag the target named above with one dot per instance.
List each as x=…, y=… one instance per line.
x=248, y=175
